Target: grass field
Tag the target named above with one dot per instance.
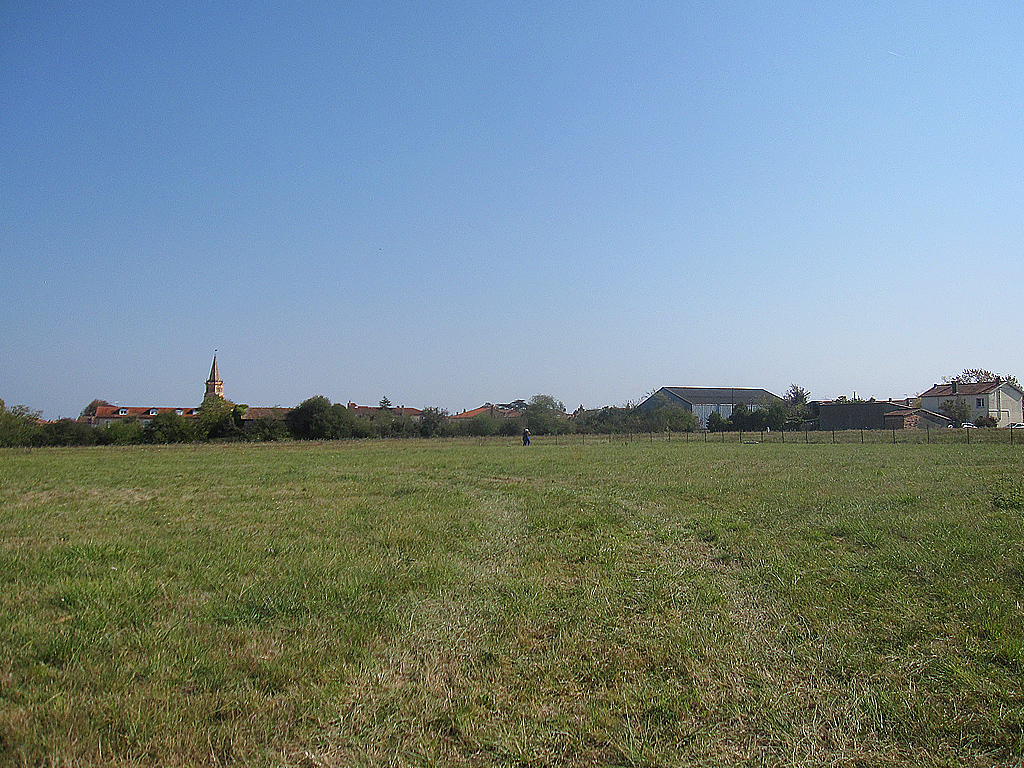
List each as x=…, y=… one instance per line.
x=430, y=603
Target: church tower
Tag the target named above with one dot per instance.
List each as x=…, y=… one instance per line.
x=214, y=386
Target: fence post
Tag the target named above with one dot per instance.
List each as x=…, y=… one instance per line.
x=833, y=437
x=894, y=435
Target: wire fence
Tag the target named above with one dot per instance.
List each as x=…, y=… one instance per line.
x=817, y=437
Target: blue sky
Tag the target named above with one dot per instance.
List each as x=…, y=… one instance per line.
x=459, y=202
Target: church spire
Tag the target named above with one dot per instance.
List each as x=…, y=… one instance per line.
x=214, y=386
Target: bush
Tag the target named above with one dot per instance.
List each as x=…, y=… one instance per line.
x=169, y=427
x=18, y=425
x=265, y=430
x=612, y=419
x=66, y=432
x=717, y=424
x=127, y=432
x=670, y=418
x=482, y=425
x=434, y=422
x=510, y=427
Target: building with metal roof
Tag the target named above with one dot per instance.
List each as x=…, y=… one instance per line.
x=703, y=401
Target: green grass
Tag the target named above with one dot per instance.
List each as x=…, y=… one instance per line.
x=457, y=603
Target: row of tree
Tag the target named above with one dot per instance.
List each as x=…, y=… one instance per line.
x=218, y=419
x=319, y=419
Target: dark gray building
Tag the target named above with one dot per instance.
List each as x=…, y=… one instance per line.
x=855, y=414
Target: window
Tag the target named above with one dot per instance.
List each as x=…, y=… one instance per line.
x=153, y=411
x=980, y=402
x=179, y=411
x=122, y=411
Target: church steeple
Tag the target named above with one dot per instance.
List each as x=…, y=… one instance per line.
x=214, y=386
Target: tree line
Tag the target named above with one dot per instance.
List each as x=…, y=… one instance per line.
x=317, y=418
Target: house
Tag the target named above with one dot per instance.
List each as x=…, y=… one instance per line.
x=253, y=414
x=703, y=401
x=1000, y=400
x=915, y=418
x=488, y=409
x=111, y=414
x=373, y=410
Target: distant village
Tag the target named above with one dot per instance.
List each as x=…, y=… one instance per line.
x=975, y=398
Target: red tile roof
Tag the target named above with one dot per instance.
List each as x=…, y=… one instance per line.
x=492, y=410
x=946, y=390
x=370, y=410
x=251, y=414
x=115, y=412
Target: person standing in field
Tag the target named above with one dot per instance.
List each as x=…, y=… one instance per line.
x=526, y=437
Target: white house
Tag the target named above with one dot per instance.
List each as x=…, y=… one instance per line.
x=999, y=399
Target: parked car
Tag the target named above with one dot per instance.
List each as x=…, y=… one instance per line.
x=1017, y=426
x=968, y=425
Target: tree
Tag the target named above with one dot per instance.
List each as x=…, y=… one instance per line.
x=219, y=419
x=385, y=404
x=433, y=422
x=18, y=425
x=169, y=427
x=796, y=396
x=66, y=432
x=978, y=375
x=122, y=432
x=308, y=420
x=482, y=425
x=90, y=409
x=670, y=418
x=317, y=419
x=385, y=423
x=775, y=416
x=743, y=419
x=956, y=410
x=547, y=402
x=544, y=415
x=716, y=423
x=797, y=407
x=265, y=429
